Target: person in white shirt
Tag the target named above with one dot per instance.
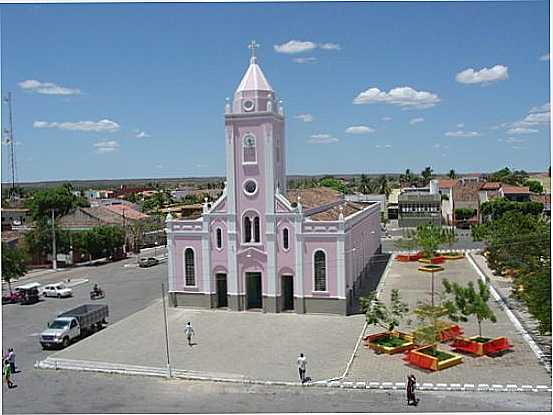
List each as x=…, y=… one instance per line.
x=189, y=331
x=302, y=365
x=11, y=359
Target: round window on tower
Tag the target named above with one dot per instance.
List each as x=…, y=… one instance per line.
x=248, y=105
x=250, y=187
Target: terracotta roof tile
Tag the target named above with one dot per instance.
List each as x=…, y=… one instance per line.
x=465, y=193
x=348, y=208
x=490, y=186
x=129, y=212
x=446, y=183
x=314, y=197
x=515, y=190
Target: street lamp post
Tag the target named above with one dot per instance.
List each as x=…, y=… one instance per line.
x=54, y=254
x=166, y=330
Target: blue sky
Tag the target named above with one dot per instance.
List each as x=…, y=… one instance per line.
x=138, y=90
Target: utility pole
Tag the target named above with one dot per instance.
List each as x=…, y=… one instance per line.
x=166, y=329
x=54, y=254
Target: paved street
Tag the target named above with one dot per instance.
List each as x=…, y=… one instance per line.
x=72, y=392
x=128, y=290
x=517, y=367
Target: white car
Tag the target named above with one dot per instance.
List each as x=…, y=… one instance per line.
x=57, y=290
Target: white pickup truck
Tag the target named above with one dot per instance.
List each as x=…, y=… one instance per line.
x=73, y=324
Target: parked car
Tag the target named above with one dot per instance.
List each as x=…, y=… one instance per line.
x=148, y=262
x=10, y=298
x=57, y=290
x=28, y=293
x=73, y=324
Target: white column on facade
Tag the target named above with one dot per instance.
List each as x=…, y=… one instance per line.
x=232, y=278
x=341, y=263
x=298, y=283
x=206, y=256
x=272, y=272
x=170, y=259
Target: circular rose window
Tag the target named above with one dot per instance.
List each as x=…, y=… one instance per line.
x=250, y=187
x=248, y=105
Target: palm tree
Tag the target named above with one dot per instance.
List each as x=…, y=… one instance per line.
x=384, y=186
x=452, y=174
x=427, y=174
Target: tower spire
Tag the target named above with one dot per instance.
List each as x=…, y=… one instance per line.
x=253, y=46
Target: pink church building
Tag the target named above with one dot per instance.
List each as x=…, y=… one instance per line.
x=260, y=246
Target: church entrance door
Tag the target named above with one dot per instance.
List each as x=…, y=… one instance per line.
x=253, y=290
x=222, y=299
x=287, y=292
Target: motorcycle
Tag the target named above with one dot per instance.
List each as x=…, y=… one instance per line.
x=96, y=295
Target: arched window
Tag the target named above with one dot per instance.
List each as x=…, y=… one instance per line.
x=247, y=229
x=248, y=146
x=219, y=238
x=256, y=232
x=319, y=260
x=189, y=268
x=285, y=238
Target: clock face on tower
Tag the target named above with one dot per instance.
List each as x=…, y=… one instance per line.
x=249, y=141
x=248, y=105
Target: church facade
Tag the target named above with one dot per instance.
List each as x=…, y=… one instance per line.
x=260, y=246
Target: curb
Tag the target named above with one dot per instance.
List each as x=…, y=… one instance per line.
x=113, y=368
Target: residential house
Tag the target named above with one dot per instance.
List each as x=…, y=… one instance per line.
x=466, y=195
x=445, y=188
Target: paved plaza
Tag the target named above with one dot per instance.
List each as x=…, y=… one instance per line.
x=228, y=344
x=517, y=367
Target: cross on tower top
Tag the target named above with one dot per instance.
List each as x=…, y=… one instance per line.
x=252, y=46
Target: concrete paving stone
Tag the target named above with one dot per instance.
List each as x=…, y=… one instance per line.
x=519, y=365
x=374, y=385
x=347, y=384
x=227, y=344
x=360, y=385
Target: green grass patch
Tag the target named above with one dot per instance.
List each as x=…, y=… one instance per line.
x=481, y=339
x=438, y=354
x=391, y=341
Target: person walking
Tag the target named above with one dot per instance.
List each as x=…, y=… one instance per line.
x=411, y=384
x=189, y=332
x=11, y=359
x=302, y=366
x=8, y=374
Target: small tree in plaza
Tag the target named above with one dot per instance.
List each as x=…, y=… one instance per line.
x=430, y=323
x=429, y=238
x=379, y=314
x=468, y=301
x=449, y=237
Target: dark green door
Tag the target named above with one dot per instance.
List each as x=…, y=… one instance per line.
x=253, y=289
x=222, y=299
x=287, y=292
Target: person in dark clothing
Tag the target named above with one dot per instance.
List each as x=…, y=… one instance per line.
x=411, y=384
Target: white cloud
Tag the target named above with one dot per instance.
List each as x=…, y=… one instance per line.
x=141, y=134
x=460, y=125
x=322, y=139
x=416, y=120
x=402, y=96
x=515, y=140
x=330, y=46
x=461, y=133
x=386, y=118
x=521, y=130
x=545, y=57
x=388, y=146
x=309, y=59
x=360, y=129
x=106, y=146
x=484, y=75
x=47, y=88
x=295, y=46
x=305, y=117
x=542, y=108
x=95, y=126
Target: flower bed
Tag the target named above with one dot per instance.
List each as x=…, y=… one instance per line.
x=450, y=333
x=453, y=256
x=481, y=346
x=434, y=260
x=428, y=357
x=389, y=343
x=409, y=257
x=430, y=268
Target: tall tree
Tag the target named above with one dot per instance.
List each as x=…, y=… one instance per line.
x=379, y=314
x=427, y=174
x=452, y=174
x=13, y=264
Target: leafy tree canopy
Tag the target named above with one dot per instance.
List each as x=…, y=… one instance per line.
x=13, y=264
x=496, y=208
x=534, y=186
x=59, y=198
x=378, y=313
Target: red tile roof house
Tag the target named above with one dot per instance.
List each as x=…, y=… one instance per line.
x=83, y=219
x=515, y=193
x=466, y=196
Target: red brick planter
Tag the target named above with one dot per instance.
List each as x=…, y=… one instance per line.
x=371, y=342
x=470, y=345
x=420, y=358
